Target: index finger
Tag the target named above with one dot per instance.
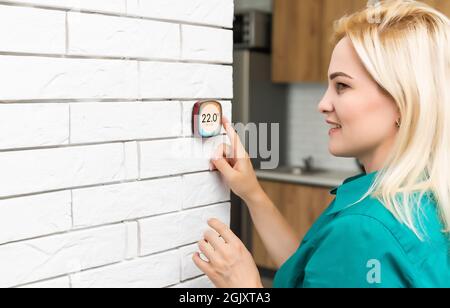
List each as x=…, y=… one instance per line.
x=236, y=145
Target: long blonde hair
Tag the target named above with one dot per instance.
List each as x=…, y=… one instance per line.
x=405, y=47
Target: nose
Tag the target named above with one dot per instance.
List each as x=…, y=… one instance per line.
x=325, y=105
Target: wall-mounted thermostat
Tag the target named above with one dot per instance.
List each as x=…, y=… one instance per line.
x=207, y=119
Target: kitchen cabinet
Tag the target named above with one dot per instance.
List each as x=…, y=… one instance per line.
x=301, y=47
x=301, y=37
x=296, y=40
x=332, y=10
x=301, y=205
x=441, y=5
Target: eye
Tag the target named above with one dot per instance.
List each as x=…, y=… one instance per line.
x=340, y=86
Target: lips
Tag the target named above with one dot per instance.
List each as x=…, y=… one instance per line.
x=333, y=130
x=334, y=125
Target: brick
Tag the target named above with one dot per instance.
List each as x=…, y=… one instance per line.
x=113, y=203
x=210, y=12
x=188, y=267
x=132, y=237
x=53, y=256
x=151, y=272
x=204, y=188
x=50, y=169
x=57, y=283
x=207, y=44
x=202, y=282
x=27, y=78
x=173, y=230
x=177, y=156
x=32, y=30
x=93, y=34
x=99, y=122
x=185, y=80
x=131, y=160
x=34, y=216
x=33, y=125
x=110, y=6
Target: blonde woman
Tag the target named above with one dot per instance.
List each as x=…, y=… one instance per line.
x=388, y=96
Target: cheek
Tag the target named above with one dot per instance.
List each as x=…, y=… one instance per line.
x=365, y=123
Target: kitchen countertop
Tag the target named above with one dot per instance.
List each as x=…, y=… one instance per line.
x=325, y=178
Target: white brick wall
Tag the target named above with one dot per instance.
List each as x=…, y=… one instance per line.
x=56, y=283
x=150, y=272
x=33, y=125
x=122, y=37
x=173, y=230
x=101, y=182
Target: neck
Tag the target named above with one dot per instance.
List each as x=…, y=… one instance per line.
x=375, y=160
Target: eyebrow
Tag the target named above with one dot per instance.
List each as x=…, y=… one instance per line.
x=337, y=74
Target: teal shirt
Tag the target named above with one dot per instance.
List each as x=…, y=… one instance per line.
x=364, y=245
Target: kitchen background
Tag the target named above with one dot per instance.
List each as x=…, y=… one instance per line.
x=281, y=58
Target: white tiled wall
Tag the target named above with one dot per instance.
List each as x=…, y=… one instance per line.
x=101, y=182
x=308, y=131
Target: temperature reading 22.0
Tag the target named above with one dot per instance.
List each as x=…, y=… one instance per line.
x=208, y=118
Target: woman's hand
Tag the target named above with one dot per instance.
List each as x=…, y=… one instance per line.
x=230, y=263
x=235, y=166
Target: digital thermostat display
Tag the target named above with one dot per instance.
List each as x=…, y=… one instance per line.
x=207, y=119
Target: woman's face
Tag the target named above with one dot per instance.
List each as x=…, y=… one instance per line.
x=355, y=101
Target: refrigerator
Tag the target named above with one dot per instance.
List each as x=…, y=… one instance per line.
x=256, y=100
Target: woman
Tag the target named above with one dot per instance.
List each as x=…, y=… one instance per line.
x=388, y=227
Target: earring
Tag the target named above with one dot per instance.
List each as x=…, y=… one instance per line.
x=397, y=123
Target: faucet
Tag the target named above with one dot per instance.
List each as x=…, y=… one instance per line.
x=308, y=162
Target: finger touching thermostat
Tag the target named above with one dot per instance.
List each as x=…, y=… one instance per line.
x=207, y=119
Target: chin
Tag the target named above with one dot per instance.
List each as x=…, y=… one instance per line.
x=335, y=151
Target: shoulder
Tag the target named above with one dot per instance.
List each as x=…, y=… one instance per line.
x=371, y=216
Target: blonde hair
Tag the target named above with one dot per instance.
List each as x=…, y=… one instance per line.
x=405, y=47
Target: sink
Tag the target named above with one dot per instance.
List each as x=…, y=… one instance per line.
x=297, y=170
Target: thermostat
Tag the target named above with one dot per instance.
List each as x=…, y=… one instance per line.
x=207, y=119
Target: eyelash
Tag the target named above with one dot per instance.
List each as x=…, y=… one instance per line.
x=340, y=84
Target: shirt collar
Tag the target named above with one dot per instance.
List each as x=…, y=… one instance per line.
x=350, y=191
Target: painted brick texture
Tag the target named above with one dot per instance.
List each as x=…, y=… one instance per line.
x=102, y=183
